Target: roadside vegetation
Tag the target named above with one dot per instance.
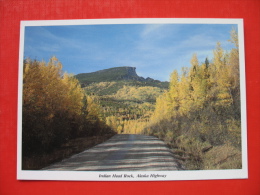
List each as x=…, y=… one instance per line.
x=199, y=116
x=55, y=111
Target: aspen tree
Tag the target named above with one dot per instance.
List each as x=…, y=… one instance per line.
x=185, y=92
x=173, y=95
x=221, y=79
x=55, y=108
x=234, y=59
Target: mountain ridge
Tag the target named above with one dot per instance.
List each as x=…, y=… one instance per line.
x=124, y=73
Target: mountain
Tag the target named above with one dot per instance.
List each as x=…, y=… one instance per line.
x=125, y=73
x=125, y=98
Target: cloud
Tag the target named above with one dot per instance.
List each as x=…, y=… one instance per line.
x=198, y=41
x=155, y=49
x=46, y=47
x=151, y=29
x=40, y=42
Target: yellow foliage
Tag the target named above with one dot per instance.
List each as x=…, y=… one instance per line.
x=94, y=109
x=202, y=106
x=55, y=108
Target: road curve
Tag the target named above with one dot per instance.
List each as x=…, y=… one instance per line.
x=124, y=152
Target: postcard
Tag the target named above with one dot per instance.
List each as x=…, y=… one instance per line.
x=132, y=100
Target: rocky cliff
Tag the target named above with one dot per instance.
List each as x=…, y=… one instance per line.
x=111, y=74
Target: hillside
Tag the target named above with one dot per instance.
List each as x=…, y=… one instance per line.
x=124, y=97
x=122, y=75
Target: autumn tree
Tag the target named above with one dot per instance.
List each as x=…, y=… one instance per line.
x=173, y=95
x=55, y=108
x=202, y=106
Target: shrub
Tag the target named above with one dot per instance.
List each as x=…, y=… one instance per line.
x=223, y=157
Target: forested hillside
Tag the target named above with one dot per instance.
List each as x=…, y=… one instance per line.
x=127, y=99
x=126, y=75
x=199, y=116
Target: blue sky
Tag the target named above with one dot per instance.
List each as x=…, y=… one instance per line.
x=154, y=49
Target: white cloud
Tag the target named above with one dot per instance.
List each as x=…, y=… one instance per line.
x=151, y=29
x=198, y=41
x=156, y=51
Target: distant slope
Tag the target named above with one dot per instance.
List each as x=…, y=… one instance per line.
x=108, y=75
x=127, y=100
x=121, y=75
x=109, y=88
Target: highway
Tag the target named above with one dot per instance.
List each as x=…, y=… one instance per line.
x=123, y=152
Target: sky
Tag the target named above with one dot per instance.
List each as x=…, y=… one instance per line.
x=155, y=50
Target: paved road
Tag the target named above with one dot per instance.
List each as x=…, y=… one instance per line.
x=124, y=152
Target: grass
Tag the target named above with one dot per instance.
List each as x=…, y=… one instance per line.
x=68, y=149
x=196, y=155
x=223, y=157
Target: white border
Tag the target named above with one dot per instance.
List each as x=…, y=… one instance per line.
x=170, y=175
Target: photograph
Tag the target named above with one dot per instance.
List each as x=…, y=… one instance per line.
x=132, y=100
